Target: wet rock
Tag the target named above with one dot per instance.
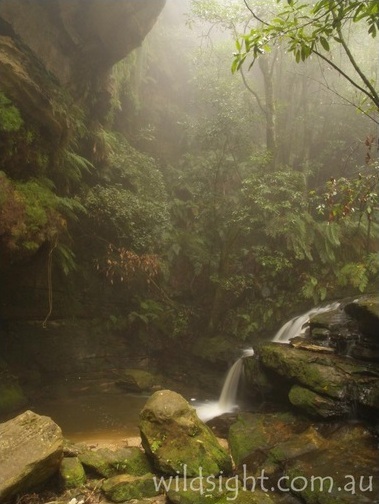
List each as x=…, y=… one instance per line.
x=30, y=452
x=345, y=471
x=106, y=463
x=253, y=435
x=72, y=473
x=352, y=329
x=126, y=487
x=341, y=384
x=177, y=441
x=299, y=460
x=315, y=404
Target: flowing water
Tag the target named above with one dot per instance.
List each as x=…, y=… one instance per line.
x=298, y=325
x=228, y=398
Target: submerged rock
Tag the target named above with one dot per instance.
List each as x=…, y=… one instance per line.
x=137, y=380
x=177, y=441
x=31, y=449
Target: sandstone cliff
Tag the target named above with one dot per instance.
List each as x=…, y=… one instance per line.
x=65, y=45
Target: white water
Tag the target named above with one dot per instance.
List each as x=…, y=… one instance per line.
x=227, y=400
x=298, y=325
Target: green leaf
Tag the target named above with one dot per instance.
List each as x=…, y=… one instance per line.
x=324, y=43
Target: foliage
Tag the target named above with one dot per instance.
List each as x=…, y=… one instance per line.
x=308, y=29
x=10, y=118
x=31, y=215
x=124, y=265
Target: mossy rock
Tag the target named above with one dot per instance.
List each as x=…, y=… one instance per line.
x=106, y=463
x=177, y=441
x=347, y=382
x=214, y=490
x=253, y=434
x=318, y=372
x=192, y=491
x=340, y=471
x=72, y=472
x=126, y=487
x=315, y=404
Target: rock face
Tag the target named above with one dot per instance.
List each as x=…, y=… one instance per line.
x=320, y=463
x=31, y=449
x=332, y=371
x=322, y=384
x=176, y=439
x=352, y=329
x=65, y=44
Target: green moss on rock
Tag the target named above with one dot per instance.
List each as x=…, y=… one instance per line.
x=105, y=462
x=177, y=441
x=315, y=404
x=126, y=487
x=72, y=472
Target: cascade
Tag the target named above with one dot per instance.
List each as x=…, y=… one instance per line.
x=298, y=325
x=228, y=396
x=227, y=400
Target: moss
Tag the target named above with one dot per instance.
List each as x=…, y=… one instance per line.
x=108, y=463
x=317, y=372
x=72, y=472
x=177, y=441
x=124, y=487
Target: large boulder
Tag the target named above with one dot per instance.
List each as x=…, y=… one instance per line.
x=323, y=384
x=177, y=441
x=31, y=448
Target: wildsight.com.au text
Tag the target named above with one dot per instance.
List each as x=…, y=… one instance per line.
x=233, y=485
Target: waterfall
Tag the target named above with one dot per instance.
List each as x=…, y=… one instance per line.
x=298, y=325
x=228, y=396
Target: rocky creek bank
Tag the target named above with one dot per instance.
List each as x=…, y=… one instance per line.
x=273, y=458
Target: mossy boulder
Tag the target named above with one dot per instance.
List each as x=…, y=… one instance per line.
x=126, y=487
x=177, y=441
x=106, y=463
x=336, y=384
x=72, y=472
